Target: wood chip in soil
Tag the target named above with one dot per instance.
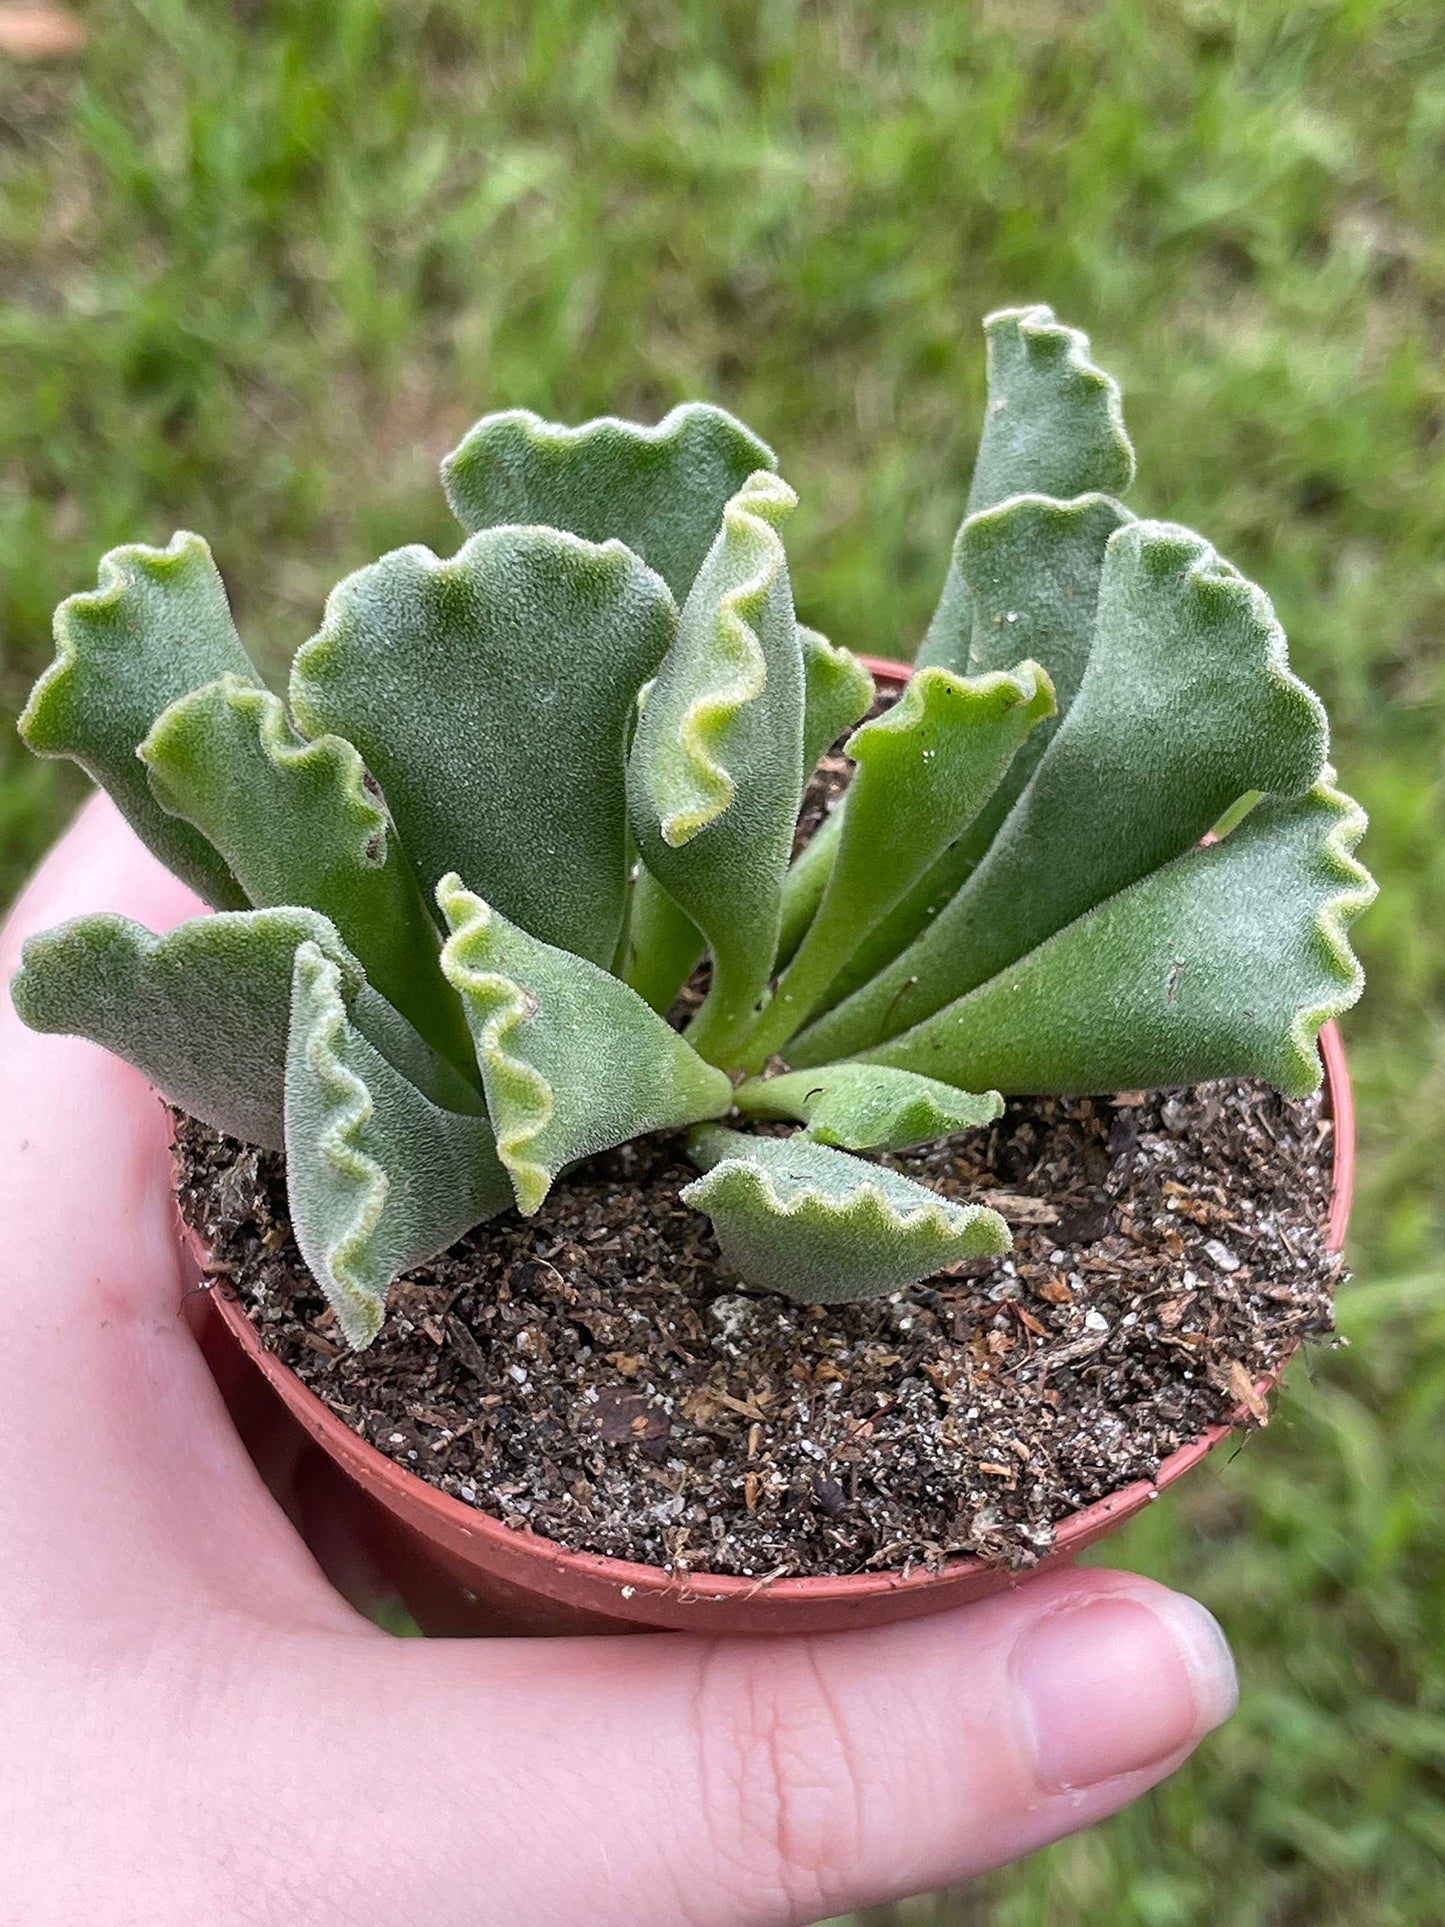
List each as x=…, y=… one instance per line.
x=593, y=1374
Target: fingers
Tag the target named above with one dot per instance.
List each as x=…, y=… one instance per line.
x=89, y=1239
x=729, y=1783
x=660, y=1780
x=113, y=1434
x=66, y=1107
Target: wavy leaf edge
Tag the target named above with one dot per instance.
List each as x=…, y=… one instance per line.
x=313, y=653
x=112, y=584
x=359, y=1311
x=470, y=917
x=838, y=692
x=1027, y=685
x=285, y=751
x=1045, y=338
x=1331, y=928
x=866, y=1198
x=752, y=515
x=1162, y=546
x=911, y=1108
x=561, y=438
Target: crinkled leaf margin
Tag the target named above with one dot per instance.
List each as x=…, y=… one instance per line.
x=823, y=1227
x=698, y=785
x=348, y=1114
x=573, y=1060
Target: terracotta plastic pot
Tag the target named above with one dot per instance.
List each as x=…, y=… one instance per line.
x=462, y=1572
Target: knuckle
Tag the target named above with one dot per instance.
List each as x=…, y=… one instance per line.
x=780, y=1780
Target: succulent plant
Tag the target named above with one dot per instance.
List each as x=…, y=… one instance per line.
x=515, y=798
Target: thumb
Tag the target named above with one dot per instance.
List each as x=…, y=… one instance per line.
x=734, y=1782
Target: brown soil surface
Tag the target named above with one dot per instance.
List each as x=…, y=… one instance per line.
x=591, y=1374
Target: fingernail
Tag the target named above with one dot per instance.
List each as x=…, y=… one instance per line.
x=1117, y=1684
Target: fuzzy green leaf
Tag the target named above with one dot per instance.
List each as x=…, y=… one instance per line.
x=807, y=879
x=660, y=490
x=406, y=1050
x=157, y=626
x=1032, y=567
x=925, y=769
x=378, y=1178
x=664, y=944
x=1053, y=425
x=492, y=696
x=297, y=824
x=572, y=1060
x=716, y=772
x=822, y=1227
x=868, y=1107
x=1186, y=704
x=837, y=692
x=203, y=1011
x=1223, y=964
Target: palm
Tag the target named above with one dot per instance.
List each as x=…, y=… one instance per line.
x=201, y=1728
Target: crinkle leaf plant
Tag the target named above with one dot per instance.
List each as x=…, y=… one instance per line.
x=514, y=797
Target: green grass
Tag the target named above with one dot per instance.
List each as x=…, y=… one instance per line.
x=262, y=263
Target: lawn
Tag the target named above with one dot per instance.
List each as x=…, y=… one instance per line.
x=261, y=263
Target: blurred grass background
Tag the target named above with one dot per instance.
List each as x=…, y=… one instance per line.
x=261, y=263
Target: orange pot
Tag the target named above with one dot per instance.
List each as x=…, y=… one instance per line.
x=462, y=1572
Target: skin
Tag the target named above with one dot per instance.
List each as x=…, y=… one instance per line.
x=201, y=1727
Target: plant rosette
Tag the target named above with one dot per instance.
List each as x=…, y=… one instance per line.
x=577, y=852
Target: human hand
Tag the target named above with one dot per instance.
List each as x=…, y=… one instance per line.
x=199, y=1729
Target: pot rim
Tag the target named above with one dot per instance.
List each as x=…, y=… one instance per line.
x=384, y=1475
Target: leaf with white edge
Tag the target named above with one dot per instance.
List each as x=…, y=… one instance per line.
x=925, y=768
x=718, y=669
x=378, y=1178
x=1054, y=422
x=492, y=696
x=1223, y=964
x=1032, y=566
x=297, y=823
x=837, y=692
x=572, y=1060
x=868, y=1107
x=715, y=778
x=1187, y=702
x=202, y=1011
x=822, y=1227
x=1053, y=425
x=157, y=626
x=660, y=490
